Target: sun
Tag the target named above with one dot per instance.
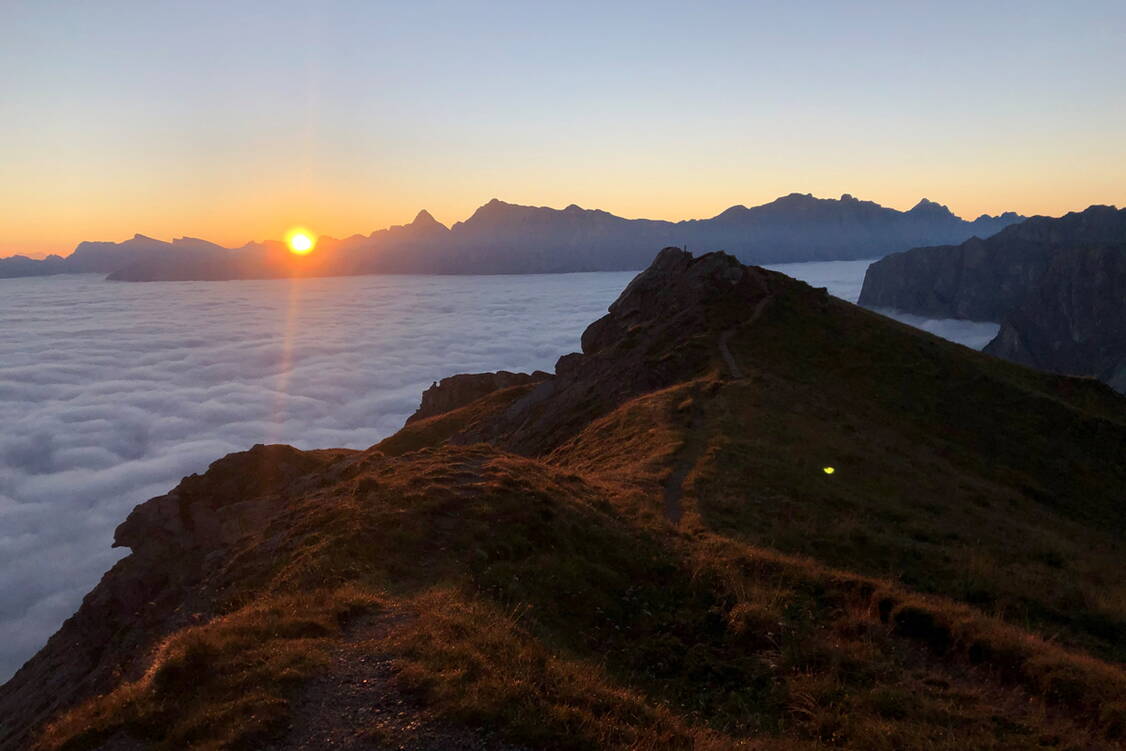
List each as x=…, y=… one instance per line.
x=299, y=241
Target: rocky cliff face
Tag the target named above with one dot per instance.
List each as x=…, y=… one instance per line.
x=977, y=280
x=1053, y=283
x=983, y=279
x=1074, y=318
x=643, y=551
x=459, y=390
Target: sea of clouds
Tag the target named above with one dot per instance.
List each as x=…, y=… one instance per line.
x=844, y=280
x=111, y=392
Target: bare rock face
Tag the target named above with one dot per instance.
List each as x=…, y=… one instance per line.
x=974, y=281
x=1074, y=321
x=1058, y=287
x=982, y=280
x=208, y=512
x=458, y=390
x=664, y=328
x=674, y=282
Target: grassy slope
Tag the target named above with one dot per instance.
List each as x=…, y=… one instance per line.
x=943, y=589
x=994, y=485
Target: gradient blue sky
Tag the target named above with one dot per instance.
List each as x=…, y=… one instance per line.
x=235, y=120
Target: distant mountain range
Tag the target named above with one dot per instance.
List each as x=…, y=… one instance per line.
x=1056, y=286
x=106, y=257
x=504, y=238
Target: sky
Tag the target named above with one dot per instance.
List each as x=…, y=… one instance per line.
x=233, y=121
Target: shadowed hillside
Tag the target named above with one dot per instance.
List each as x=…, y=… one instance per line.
x=644, y=551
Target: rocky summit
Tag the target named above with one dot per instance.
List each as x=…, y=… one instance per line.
x=746, y=515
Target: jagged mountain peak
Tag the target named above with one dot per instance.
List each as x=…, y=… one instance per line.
x=796, y=198
x=502, y=237
x=139, y=240
x=424, y=217
x=927, y=206
x=492, y=209
x=424, y=221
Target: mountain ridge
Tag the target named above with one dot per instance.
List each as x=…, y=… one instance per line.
x=1056, y=286
x=501, y=237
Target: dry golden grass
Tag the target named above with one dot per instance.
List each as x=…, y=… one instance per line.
x=1074, y=690
x=479, y=665
x=434, y=430
x=221, y=685
x=547, y=609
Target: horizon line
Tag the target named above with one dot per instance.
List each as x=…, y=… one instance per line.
x=320, y=237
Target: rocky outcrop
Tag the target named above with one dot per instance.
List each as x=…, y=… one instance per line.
x=1056, y=285
x=665, y=327
x=1074, y=320
x=159, y=588
x=456, y=391
x=975, y=281
x=982, y=280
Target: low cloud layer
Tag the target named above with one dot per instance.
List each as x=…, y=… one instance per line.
x=844, y=279
x=974, y=334
x=110, y=393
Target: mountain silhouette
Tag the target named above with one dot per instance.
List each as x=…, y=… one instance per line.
x=507, y=238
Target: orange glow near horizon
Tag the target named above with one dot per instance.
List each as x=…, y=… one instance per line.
x=238, y=142
x=300, y=241
x=39, y=224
